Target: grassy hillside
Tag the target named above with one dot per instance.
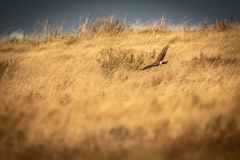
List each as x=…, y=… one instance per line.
x=85, y=97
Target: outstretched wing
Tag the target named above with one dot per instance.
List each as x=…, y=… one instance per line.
x=162, y=54
x=149, y=66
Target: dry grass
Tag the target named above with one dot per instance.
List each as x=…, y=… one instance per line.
x=72, y=97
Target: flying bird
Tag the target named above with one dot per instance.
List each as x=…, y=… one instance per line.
x=159, y=58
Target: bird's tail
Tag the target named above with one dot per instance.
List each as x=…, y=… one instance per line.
x=164, y=62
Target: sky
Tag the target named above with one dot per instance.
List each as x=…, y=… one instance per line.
x=23, y=15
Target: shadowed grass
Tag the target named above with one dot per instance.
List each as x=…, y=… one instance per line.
x=113, y=59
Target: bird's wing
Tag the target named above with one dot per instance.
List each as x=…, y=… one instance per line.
x=151, y=65
x=162, y=54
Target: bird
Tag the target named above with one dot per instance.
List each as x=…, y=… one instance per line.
x=159, y=58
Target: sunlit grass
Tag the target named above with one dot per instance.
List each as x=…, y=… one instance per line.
x=82, y=95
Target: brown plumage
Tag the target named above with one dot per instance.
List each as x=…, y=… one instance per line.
x=159, y=58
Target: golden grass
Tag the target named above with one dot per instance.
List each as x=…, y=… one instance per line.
x=66, y=99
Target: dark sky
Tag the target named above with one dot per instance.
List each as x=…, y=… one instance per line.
x=26, y=13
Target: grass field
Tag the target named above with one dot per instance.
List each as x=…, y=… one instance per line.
x=85, y=97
